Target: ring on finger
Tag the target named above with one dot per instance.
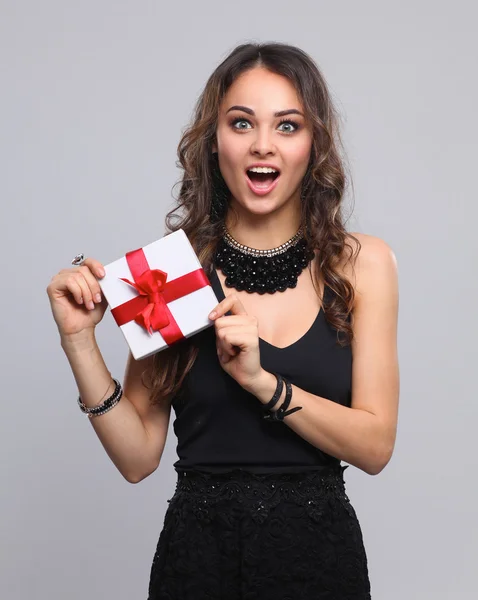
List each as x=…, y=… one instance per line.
x=78, y=260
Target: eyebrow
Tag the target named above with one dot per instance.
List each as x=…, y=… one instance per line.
x=280, y=113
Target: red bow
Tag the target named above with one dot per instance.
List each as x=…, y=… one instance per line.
x=154, y=315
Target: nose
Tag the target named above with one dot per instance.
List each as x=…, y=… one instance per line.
x=262, y=143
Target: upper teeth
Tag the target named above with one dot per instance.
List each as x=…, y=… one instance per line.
x=263, y=170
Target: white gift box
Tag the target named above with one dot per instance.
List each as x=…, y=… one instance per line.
x=175, y=257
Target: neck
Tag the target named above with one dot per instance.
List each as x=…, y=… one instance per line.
x=263, y=233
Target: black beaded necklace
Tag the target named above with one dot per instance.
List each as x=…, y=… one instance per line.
x=262, y=271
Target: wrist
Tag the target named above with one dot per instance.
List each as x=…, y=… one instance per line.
x=84, y=341
x=264, y=387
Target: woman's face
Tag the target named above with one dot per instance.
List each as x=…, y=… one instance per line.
x=249, y=132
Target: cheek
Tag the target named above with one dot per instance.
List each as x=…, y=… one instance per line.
x=298, y=158
x=228, y=149
x=227, y=139
x=232, y=160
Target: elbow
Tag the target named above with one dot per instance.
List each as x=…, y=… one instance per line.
x=139, y=476
x=135, y=478
x=381, y=452
x=376, y=468
x=131, y=477
x=380, y=461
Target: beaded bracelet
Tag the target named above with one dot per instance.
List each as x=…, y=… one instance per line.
x=105, y=406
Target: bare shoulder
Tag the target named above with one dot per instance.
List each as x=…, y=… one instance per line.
x=372, y=248
x=375, y=265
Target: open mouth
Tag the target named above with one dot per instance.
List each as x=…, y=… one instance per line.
x=262, y=183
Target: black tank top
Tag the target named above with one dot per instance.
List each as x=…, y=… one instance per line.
x=220, y=426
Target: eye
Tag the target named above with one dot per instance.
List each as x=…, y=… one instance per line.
x=234, y=122
x=289, y=122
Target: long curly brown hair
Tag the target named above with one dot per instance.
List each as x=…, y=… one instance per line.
x=322, y=192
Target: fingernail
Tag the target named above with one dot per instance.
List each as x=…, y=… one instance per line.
x=101, y=272
x=213, y=314
x=98, y=297
x=90, y=305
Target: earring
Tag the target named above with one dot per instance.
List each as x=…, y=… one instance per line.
x=220, y=192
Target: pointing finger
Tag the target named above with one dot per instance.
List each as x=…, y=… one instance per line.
x=230, y=303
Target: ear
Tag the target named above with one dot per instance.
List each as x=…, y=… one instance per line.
x=214, y=148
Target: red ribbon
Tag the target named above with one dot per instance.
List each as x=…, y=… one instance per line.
x=150, y=308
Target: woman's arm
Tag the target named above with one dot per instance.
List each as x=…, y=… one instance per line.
x=363, y=435
x=133, y=432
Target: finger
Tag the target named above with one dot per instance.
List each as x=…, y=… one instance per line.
x=236, y=339
x=92, y=283
x=85, y=290
x=236, y=323
x=235, y=320
x=230, y=303
x=95, y=266
x=72, y=285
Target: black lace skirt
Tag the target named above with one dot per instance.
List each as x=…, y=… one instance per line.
x=244, y=536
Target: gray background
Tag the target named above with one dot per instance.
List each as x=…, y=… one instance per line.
x=94, y=96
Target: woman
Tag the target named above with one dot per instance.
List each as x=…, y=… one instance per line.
x=268, y=401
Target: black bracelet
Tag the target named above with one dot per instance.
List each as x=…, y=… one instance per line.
x=277, y=394
x=277, y=415
x=282, y=411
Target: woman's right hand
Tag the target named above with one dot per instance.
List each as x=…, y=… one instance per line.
x=76, y=308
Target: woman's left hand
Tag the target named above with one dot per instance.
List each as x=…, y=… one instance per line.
x=237, y=341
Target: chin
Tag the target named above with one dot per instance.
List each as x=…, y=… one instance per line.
x=260, y=206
